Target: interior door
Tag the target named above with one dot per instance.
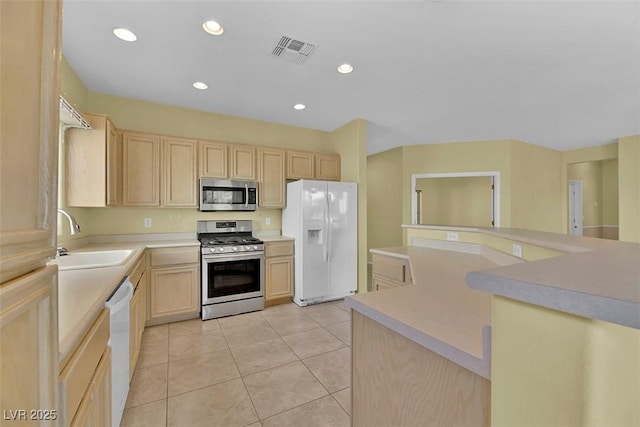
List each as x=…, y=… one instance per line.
x=315, y=280
x=343, y=237
x=575, y=208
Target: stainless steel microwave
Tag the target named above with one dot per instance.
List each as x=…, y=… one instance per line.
x=227, y=195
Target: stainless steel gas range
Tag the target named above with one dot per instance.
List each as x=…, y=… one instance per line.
x=232, y=268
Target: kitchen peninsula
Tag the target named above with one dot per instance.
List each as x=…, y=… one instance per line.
x=556, y=339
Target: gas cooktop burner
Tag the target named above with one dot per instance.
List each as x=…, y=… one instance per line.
x=227, y=237
x=208, y=241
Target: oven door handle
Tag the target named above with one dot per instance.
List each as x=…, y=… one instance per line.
x=232, y=257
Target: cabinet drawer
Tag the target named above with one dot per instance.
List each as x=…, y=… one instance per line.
x=173, y=256
x=75, y=377
x=379, y=284
x=392, y=268
x=272, y=249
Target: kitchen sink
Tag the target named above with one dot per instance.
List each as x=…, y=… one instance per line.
x=92, y=259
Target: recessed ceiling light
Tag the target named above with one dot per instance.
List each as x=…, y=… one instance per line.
x=124, y=34
x=212, y=27
x=200, y=85
x=299, y=107
x=345, y=69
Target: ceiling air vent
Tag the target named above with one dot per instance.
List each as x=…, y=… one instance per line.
x=293, y=50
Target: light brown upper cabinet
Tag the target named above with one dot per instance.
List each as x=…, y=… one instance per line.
x=179, y=172
x=242, y=161
x=300, y=165
x=271, y=177
x=214, y=159
x=306, y=165
x=327, y=167
x=140, y=169
x=93, y=160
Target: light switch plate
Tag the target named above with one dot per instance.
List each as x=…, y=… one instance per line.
x=452, y=236
x=147, y=222
x=517, y=250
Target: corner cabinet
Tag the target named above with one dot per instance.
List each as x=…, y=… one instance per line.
x=271, y=178
x=179, y=172
x=140, y=169
x=93, y=159
x=174, y=289
x=327, y=167
x=279, y=269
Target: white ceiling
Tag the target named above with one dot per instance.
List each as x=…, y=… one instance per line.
x=561, y=74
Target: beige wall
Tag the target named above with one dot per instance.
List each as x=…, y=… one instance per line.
x=629, y=188
x=477, y=156
x=71, y=87
x=384, y=199
x=465, y=201
x=536, y=187
x=350, y=141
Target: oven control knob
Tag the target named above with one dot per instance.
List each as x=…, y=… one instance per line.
x=221, y=249
x=255, y=247
x=234, y=248
x=212, y=250
x=247, y=248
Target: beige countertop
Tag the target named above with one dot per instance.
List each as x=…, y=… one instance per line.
x=82, y=293
x=439, y=311
x=448, y=310
x=278, y=238
x=597, y=278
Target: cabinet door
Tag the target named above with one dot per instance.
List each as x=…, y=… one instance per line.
x=140, y=169
x=29, y=113
x=134, y=343
x=300, y=165
x=327, y=167
x=29, y=342
x=214, y=159
x=84, y=416
x=101, y=394
x=278, y=277
x=179, y=180
x=174, y=291
x=271, y=176
x=243, y=162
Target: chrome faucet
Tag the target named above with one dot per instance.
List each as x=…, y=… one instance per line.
x=73, y=224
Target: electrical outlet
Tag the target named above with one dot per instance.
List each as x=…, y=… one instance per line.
x=517, y=250
x=267, y=220
x=147, y=222
x=452, y=236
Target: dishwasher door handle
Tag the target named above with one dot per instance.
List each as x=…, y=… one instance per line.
x=120, y=299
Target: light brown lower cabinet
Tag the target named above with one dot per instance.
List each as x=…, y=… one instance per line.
x=95, y=407
x=397, y=382
x=137, y=312
x=174, y=285
x=278, y=272
x=85, y=379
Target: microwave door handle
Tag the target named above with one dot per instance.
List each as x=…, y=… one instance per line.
x=246, y=195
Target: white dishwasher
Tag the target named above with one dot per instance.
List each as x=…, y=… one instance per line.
x=118, y=305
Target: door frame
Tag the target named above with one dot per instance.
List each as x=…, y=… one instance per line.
x=576, y=210
x=495, y=180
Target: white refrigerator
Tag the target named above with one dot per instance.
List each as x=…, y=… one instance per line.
x=322, y=216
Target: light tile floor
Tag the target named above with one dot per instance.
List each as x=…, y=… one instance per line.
x=283, y=366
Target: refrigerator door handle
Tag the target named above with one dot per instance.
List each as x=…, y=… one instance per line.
x=326, y=228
